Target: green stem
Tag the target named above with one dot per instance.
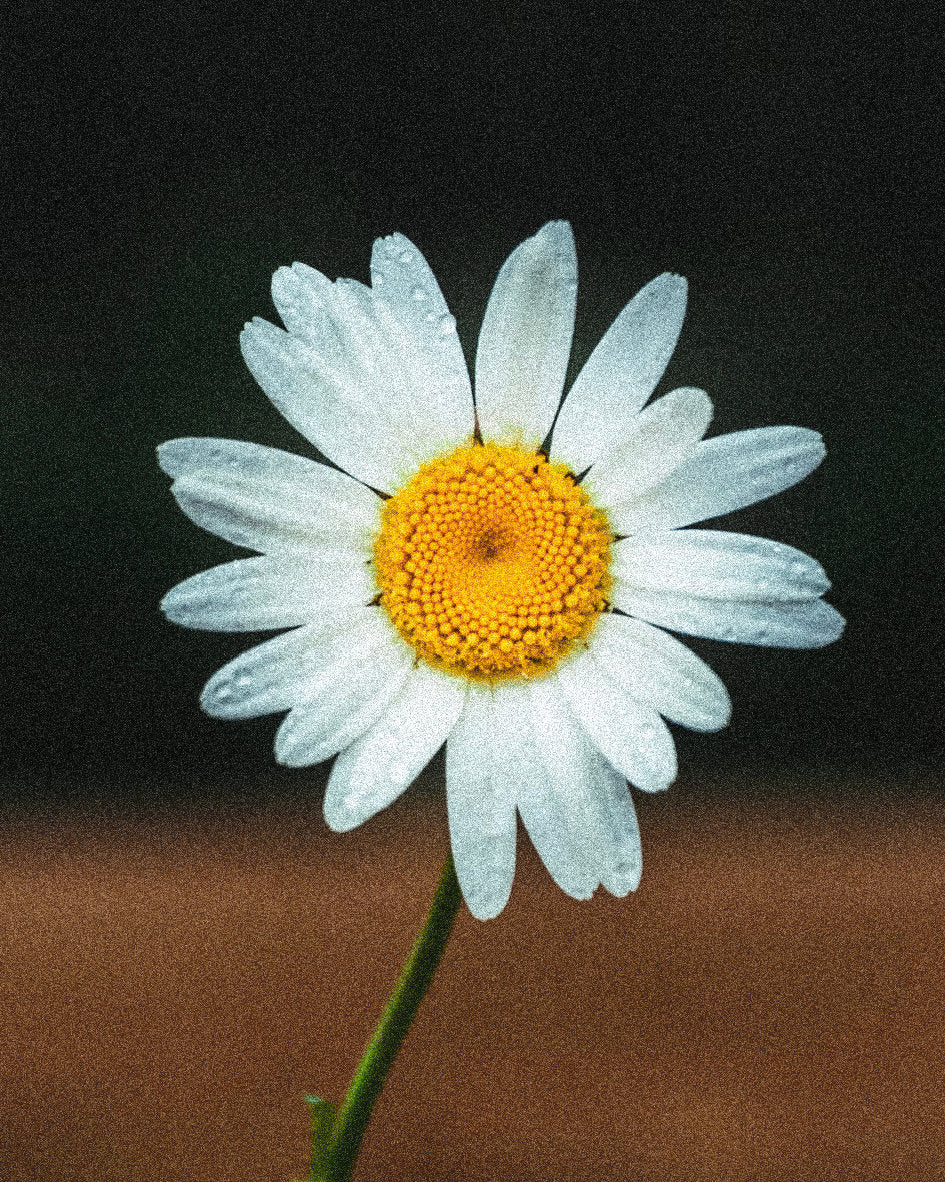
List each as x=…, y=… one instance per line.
x=354, y=1114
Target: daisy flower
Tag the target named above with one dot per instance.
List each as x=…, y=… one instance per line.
x=499, y=573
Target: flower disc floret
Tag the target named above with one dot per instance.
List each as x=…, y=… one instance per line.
x=493, y=562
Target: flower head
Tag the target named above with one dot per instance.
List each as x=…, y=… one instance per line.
x=456, y=582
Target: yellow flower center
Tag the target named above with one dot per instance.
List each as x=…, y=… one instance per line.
x=492, y=561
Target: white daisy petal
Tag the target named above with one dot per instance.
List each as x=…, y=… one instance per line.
x=721, y=475
x=396, y=343
x=288, y=669
x=713, y=564
x=432, y=354
x=254, y=594
x=613, y=821
x=377, y=767
x=659, y=440
x=658, y=670
x=621, y=374
x=525, y=340
x=545, y=810
x=621, y=818
x=589, y=788
x=303, y=298
x=416, y=370
x=628, y=733
x=480, y=801
x=362, y=687
x=334, y=401
x=270, y=500
x=778, y=625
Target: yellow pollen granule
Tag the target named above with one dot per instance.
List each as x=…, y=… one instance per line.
x=492, y=562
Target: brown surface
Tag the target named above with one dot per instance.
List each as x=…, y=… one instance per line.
x=770, y=1004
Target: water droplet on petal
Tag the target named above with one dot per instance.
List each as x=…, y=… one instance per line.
x=243, y=680
x=223, y=691
x=419, y=294
x=429, y=317
x=405, y=256
x=377, y=279
x=446, y=325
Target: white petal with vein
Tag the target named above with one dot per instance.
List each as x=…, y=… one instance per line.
x=714, y=564
x=779, y=625
x=589, y=790
x=396, y=342
x=629, y=733
x=621, y=374
x=721, y=475
x=253, y=594
x=376, y=768
x=480, y=799
x=525, y=339
x=546, y=810
x=270, y=500
x=432, y=355
x=660, y=438
x=659, y=670
x=284, y=671
x=354, y=692
x=337, y=399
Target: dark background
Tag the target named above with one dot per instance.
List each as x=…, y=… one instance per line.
x=159, y=167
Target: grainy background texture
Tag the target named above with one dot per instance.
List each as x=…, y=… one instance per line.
x=185, y=949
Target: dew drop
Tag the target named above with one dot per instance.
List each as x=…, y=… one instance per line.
x=378, y=279
x=429, y=317
x=243, y=680
x=446, y=325
x=223, y=691
x=419, y=294
x=405, y=256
